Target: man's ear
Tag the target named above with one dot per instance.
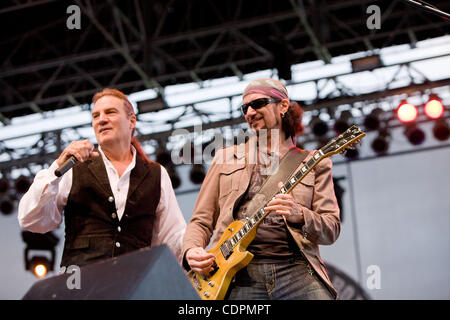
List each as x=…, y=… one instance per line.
x=284, y=106
x=133, y=121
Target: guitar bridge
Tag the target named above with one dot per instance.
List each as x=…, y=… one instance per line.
x=197, y=283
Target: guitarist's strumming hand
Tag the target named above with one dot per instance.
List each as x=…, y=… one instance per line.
x=199, y=260
x=285, y=205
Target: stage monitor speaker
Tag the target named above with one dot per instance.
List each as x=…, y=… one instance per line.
x=146, y=274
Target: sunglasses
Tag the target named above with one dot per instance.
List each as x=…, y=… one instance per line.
x=257, y=104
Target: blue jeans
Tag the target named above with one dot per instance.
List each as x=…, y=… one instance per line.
x=292, y=279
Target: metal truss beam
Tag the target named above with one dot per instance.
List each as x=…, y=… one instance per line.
x=26, y=4
x=41, y=154
x=151, y=54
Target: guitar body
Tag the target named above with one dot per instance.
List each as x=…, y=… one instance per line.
x=215, y=286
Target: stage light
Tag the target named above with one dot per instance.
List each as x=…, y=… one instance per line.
x=197, y=173
x=174, y=177
x=22, y=184
x=343, y=123
x=6, y=206
x=381, y=143
x=4, y=185
x=40, y=266
x=163, y=157
x=40, y=270
x=414, y=134
x=407, y=112
x=351, y=154
x=319, y=127
x=441, y=130
x=372, y=121
x=434, y=108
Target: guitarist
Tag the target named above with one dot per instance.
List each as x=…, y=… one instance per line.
x=286, y=263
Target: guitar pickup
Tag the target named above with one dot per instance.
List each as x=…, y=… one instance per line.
x=214, y=270
x=226, y=250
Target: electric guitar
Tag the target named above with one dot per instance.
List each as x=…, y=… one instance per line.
x=231, y=253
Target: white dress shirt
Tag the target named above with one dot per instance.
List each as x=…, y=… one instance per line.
x=40, y=209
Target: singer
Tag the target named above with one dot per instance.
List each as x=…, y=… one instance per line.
x=114, y=200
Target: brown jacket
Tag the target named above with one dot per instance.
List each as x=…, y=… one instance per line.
x=228, y=179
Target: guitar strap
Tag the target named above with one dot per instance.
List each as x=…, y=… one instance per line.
x=290, y=162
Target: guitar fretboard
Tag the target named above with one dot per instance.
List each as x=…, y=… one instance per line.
x=254, y=220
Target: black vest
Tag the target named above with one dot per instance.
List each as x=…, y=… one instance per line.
x=93, y=230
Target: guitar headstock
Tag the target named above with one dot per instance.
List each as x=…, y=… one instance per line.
x=344, y=141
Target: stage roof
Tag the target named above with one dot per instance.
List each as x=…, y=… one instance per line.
x=140, y=44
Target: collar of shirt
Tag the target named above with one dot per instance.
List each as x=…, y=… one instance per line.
x=119, y=185
x=266, y=158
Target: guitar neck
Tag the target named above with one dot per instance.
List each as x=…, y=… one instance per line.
x=253, y=221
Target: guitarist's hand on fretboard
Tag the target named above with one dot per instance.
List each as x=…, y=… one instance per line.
x=199, y=260
x=285, y=205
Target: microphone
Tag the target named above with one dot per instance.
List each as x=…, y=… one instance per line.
x=69, y=163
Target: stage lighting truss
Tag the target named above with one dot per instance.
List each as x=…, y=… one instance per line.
x=369, y=110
